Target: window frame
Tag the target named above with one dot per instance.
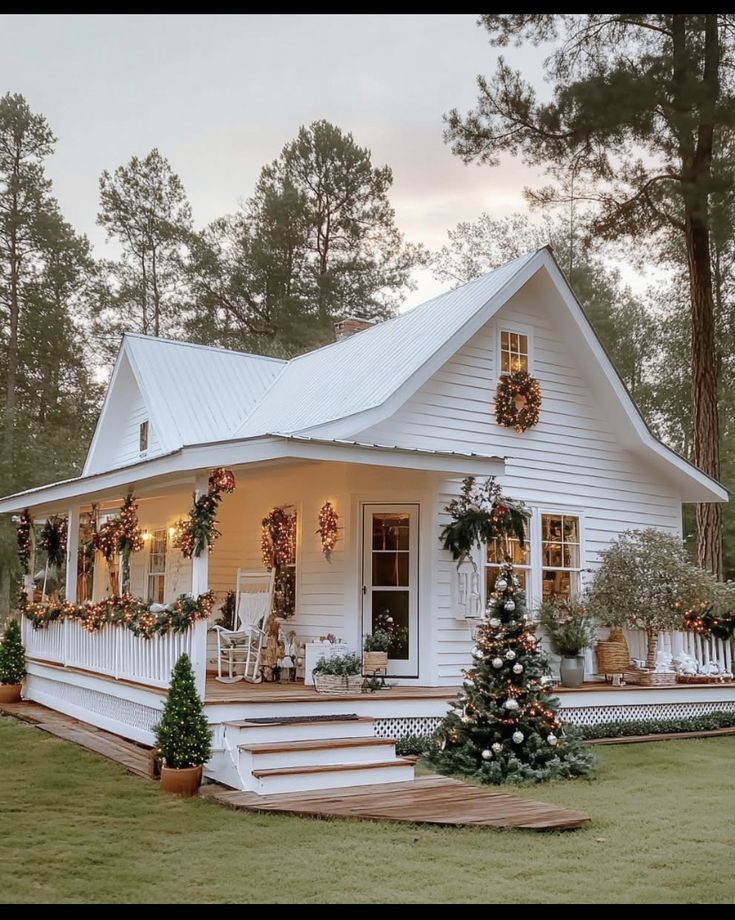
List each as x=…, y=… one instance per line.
x=515, y=329
x=144, y=427
x=149, y=553
x=528, y=569
x=562, y=511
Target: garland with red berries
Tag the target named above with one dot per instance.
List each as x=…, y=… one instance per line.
x=199, y=529
x=518, y=401
x=24, y=536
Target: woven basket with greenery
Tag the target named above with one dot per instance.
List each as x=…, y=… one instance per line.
x=374, y=662
x=613, y=655
x=338, y=684
x=650, y=678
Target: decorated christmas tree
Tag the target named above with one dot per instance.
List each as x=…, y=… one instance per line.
x=183, y=735
x=503, y=726
x=12, y=655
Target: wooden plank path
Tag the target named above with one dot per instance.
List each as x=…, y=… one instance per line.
x=668, y=736
x=135, y=758
x=424, y=800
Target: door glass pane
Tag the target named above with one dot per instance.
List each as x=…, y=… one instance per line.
x=393, y=605
x=390, y=569
x=390, y=531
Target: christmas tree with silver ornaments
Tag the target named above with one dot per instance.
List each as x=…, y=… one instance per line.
x=504, y=724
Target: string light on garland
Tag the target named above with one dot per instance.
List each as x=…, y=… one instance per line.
x=130, y=538
x=704, y=621
x=199, y=528
x=278, y=538
x=24, y=537
x=518, y=401
x=328, y=527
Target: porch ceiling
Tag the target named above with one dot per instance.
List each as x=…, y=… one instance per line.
x=179, y=467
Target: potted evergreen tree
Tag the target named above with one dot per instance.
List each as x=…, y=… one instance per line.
x=12, y=664
x=570, y=631
x=183, y=736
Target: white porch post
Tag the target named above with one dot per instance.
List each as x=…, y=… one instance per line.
x=200, y=585
x=72, y=553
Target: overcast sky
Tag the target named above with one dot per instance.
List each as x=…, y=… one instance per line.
x=220, y=95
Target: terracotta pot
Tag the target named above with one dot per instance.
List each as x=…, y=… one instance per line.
x=181, y=780
x=374, y=662
x=10, y=693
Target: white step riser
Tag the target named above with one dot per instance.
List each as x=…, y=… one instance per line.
x=304, y=782
x=332, y=755
x=300, y=731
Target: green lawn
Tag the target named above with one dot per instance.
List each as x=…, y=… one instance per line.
x=76, y=827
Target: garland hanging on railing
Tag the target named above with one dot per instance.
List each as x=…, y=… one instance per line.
x=124, y=610
x=52, y=540
x=706, y=622
x=199, y=529
x=24, y=537
x=479, y=515
x=518, y=401
x=328, y=528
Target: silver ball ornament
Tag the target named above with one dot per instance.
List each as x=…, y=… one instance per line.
x=501, y=584
x=510, y=605
x=510, y=704
x=518, y=669
x=497, y=662
x=553, y=740
x=495, y=622
x=476, y=652
x=518, y=737
x=497, y=747
x=487, y=755
x=510, y=655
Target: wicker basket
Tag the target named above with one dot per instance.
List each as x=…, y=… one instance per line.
x=613, y=656
x=650, y=678
x=701, y=679
x=375, y=662
x=337, y=685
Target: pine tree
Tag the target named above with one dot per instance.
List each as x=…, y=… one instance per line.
x=504, y=725
x=183, y=736
x=12, y=655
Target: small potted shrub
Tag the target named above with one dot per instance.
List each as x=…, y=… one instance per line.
x=570, y=630
x=12, y=664
x=183, y=736
x=375, y=647
x=339, y=674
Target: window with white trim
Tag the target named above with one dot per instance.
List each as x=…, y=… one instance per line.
x=560, y=555
x=513, y=352
x=143, y=436
x=520, y=556
x=156, y=581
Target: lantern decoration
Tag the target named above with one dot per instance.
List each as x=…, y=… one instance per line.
x=199, y=529
x=327, y=530
x=24, y=537
x=518, y=401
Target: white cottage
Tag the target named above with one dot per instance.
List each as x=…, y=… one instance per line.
x=383, y=424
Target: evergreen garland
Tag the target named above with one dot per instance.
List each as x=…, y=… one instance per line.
x=199, y=529
x=12, y=655
x=479, y=515
x=183, y=736
x=53, y=540
x=125, y=610
x=24, y=537
x=707, y=623
x=504, y=725
x=517, y=401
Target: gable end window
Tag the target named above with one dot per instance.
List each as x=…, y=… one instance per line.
x=513, y=352
x=143, y=437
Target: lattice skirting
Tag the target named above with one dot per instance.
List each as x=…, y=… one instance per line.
x=584, y=715
x=104, y=706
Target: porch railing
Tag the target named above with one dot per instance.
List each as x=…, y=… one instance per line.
x=702, y=649
x=116, y=652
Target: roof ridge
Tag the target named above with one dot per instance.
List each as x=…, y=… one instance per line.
x=217, y=348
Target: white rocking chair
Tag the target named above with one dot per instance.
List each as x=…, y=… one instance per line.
x=245, y=643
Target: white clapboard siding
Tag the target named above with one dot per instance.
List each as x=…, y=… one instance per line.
x=572, y=459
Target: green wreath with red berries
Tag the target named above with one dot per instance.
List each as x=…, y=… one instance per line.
x=518, y=401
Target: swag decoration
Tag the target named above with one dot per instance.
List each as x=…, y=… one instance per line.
x=120, y=534
x=24, y=537
x=480, y=515
x=518, y=401
x=124, y=610
x=52, y=540
x=199, y=529
x=328, y=527
x=278, y=548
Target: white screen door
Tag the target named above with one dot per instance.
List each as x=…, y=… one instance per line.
x=390, y=580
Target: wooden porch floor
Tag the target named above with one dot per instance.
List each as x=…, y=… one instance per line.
x=424, y=800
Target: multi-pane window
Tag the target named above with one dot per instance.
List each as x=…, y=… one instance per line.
x=143, y=437
x=157, y=566
x=520, y=556
x=513, y=352
x=560, y=555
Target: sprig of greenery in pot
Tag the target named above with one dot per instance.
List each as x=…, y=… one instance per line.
x=12, y=655
x=568, y=624
x=339, y=666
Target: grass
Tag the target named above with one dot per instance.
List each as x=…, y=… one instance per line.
x=74, y=827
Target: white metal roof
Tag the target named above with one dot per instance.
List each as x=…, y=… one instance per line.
x=202, y=393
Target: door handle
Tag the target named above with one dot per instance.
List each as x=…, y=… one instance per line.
x=364, y=589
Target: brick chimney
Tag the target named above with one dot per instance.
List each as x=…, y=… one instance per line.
x=350, y=325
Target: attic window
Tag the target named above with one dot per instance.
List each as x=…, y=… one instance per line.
x=513, y=352
x=143, y=436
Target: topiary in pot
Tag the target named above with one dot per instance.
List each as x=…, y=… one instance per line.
x=12, y=664
x=570, y=630
x=183, y=736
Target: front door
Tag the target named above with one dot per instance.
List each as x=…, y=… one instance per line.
x=390, y=581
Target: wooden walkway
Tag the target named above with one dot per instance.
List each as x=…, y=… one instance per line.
x=668, y=736
x=424, y=800
x=135, y=758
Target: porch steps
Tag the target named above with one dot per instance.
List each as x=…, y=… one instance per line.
x=301, y=755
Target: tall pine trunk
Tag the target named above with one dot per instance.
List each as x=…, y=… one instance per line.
x=11, y=367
